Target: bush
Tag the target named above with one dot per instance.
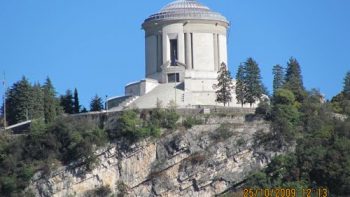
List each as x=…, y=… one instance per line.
x=189, y=122
x=102, y=191
x=264, y=109
x=222, y=133
x=241, y=141
x=284, y=96
x=132, y=127
x=8, y=185
x=63, y=141
x=122, y=189
x=165, y=118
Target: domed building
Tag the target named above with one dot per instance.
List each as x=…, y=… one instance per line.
x=185, y=43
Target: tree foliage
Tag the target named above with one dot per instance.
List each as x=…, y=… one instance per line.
x=26, y=101
x=240, y=85
x=341, y=102
x=224, y=86
x=252, y=81
x=322, y=153
x=22, y=101
x=285, y=117
x=96, y=103
x=46, y=146
x=278, y=77
x=76, y=104
x=67, y=102
x=51, y=105
x=294, y=80
x=346, y=88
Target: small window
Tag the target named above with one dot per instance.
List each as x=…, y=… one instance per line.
x=173, y=51
x=173, y=77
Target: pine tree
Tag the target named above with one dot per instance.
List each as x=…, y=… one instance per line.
x=254, y=87
x=225, y=85
x=96, y=103
x=294, y=80
x=67, y=102
x=84, y=110
x=346, y=88
x=18, y=101
x=278, y=77
x=76, y=102
x=50, y=101
x=240, y=85
x=36, y=109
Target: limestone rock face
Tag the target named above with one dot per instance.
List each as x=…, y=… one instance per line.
x=203, y=161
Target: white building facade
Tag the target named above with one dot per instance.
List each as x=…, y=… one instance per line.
x=185, y=44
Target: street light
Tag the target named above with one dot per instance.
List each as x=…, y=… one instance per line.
x=107, y=105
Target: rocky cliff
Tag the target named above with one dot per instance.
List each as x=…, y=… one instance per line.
x=205, y=160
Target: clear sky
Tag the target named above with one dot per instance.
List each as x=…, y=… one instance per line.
x=97, y=46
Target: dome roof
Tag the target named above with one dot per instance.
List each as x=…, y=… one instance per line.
x=185, y=9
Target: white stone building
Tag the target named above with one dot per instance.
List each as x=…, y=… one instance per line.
x=185, y=43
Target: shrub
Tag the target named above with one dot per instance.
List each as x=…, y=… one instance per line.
x=165, y=118
x=8, y=185
x=189, y=122
x=132, y=127
x=102, y=191
x=222, y=133
x=240, y=141
x=264, y=109
x=122, y=189
x=63, y=141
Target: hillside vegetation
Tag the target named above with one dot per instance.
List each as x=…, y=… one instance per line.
x=314, y=133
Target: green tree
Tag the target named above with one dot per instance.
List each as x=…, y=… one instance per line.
x=67, y=102
x=96, y=104
x=76, y=102
x=253, y=84
x=240, y=85
x=346, y=88
x=294, y=80
x=84, y=110
x=285, y=117
x=19, y=101
x=50, y=101
x=224, y=86
x=36, y=102
x=278, y=77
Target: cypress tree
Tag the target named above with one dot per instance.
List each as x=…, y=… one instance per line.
x=254, y=87
x=67, y=102
x=224, y=86
x=50, y=101
x=76, y=102
x=240, y=85
x=96, y=103
x=278, y=77
x=294, y=80
x=346, y=88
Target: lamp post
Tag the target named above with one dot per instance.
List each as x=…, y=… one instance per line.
x=107, y=105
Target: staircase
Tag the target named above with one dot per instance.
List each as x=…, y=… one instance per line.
x=123, y=104
x=163, y=92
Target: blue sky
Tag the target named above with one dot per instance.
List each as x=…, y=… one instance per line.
x=97, y=46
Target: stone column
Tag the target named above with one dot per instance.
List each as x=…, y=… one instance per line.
x=188, y=51
x=216, y=52
x=181, y=47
